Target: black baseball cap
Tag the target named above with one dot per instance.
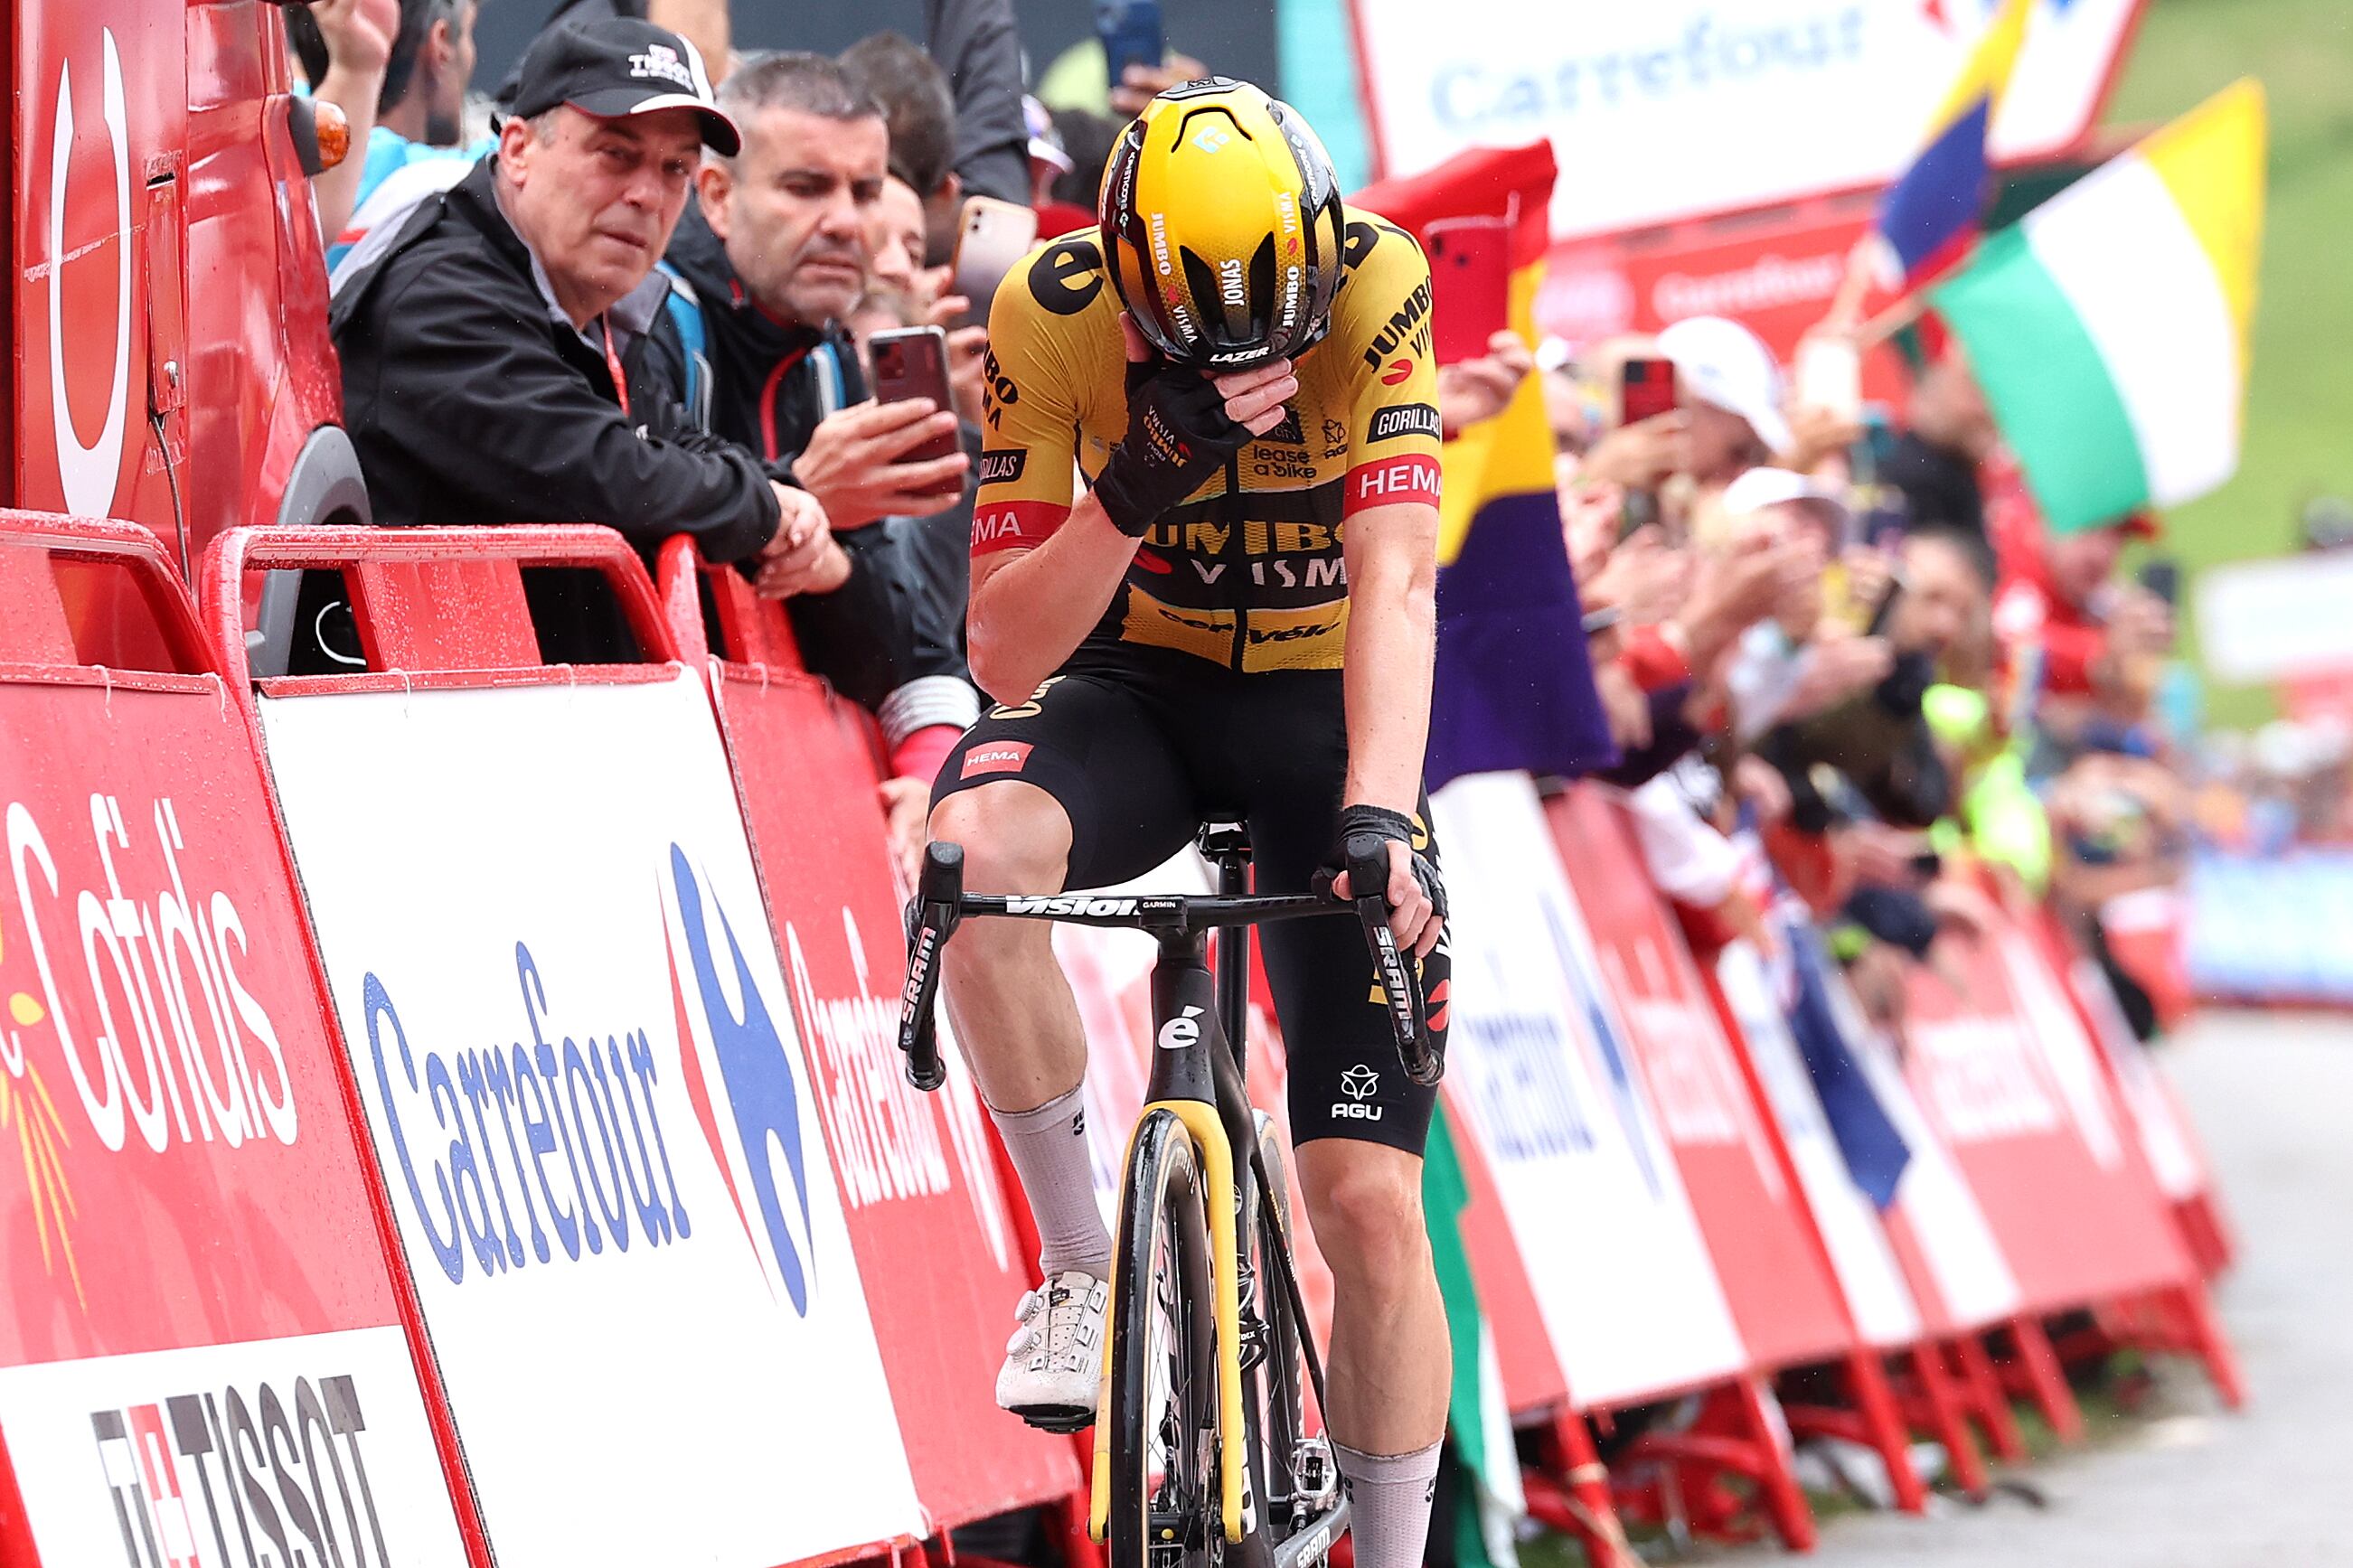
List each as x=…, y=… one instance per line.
x=615, y=67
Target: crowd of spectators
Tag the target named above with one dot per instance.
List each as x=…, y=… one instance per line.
x=1831, y=662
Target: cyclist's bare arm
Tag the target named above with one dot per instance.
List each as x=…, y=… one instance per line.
x=1392, y=557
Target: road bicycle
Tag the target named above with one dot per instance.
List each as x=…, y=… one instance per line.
x=1202, y=1453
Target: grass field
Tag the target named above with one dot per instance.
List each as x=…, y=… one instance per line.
x=2299, y=437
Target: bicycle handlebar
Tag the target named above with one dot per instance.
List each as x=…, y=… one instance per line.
x=940, y=904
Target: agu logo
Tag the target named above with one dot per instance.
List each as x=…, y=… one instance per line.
x=1359, y=1083
x=761, y=1093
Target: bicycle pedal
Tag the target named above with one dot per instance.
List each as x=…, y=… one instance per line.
x=1061, y=1419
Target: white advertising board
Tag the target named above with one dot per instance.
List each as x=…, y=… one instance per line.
x=1867, y=1271
x=2166, y=1139
x=1677, y=108
x=2272, y=620
x=1965, y=1262
x=547, y=947
x=203, y=1456
x=1541, y=1063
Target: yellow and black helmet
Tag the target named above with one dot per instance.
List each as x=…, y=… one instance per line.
x=1221, y=225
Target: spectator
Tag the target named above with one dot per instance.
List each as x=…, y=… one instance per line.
x=1731, y=400
x=781, y=249
x=420, y=121
x=977, y=48
x=893, y=72
x=2060, y=612
x=346, y=48
x=495, y=358
x=1936, y=462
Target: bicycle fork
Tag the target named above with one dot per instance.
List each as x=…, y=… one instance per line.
x=1194, y=1079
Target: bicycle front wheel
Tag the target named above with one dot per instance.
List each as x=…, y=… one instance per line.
x=1164, y=1373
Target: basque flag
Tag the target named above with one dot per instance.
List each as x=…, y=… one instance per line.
x=1514, y=688
x=1931, y=216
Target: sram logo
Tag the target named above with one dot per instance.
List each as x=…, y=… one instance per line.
x=1069, y=904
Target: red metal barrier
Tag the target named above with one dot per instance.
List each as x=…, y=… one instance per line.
x=542, y=929
x=928, y=1216
x=205, y=1339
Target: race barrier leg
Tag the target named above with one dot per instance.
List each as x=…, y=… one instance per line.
x=2035, y=1375
x=578, y=1060
x=207, y=1340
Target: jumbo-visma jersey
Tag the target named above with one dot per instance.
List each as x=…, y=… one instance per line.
x=1247, y=571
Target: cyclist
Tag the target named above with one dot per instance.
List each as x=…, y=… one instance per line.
x=1235, y=619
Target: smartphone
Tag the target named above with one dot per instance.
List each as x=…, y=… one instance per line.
x=2162, y=577
x=1131, y=34
x=912, y=361
x=991, y=237
x=1469, y=285
x=1646, y=388
x=1828, y=373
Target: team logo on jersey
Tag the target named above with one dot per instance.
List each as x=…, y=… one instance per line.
x=1286, y=430
x=1398, y=372
x=1404, y=419
x=1003, y=468
x=995, y=757
x=1067, y=275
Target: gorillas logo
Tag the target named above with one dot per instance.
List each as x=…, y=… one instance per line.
x=1067, y=275
x=755, y=1069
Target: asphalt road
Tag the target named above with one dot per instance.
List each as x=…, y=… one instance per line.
x=2188, y=1485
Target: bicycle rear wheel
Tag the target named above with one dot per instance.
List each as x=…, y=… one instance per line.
x=1163, y=1375
x=1277, y=1378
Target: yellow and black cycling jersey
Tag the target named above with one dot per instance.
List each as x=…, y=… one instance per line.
x=1247, y=572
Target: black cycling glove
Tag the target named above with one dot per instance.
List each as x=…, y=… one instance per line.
x=1377, y=821
x=1178, y=435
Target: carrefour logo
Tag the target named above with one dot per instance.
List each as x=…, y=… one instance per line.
x=551, y=1149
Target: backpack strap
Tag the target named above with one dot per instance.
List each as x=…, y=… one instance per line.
x=685, y=309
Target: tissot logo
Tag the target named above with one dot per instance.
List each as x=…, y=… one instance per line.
x=662, y=61
x=279, y=1470
x=1406, y=419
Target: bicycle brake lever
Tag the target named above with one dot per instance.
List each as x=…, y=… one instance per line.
x=931, y=918
x=1368, y=869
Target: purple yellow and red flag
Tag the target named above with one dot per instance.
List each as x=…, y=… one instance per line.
x=1514, y=688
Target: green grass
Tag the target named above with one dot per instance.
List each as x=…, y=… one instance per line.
x=2299, y=434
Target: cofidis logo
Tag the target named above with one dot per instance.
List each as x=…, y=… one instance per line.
x=551, y=1148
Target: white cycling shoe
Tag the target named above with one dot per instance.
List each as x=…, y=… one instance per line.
x=1054, y=1361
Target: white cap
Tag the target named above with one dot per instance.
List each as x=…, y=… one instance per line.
x=1760, y=488
x=1723, y=363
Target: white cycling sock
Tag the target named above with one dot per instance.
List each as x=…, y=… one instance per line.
x=1388, y=1503
x=1048, y=1146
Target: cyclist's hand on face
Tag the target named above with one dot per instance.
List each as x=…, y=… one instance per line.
x=1416, y=893
x=1182, y=426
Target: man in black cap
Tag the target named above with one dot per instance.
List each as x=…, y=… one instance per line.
x=496, y=363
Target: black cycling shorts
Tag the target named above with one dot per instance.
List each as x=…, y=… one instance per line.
x=1140, y=748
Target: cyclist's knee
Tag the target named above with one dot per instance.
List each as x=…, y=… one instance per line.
x=1016, y=837
x=1365, y=1202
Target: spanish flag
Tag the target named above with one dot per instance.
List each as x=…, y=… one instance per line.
x=1931, y=216
x=1514, y=692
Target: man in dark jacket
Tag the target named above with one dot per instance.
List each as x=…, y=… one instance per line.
x=496, y=364
x=781, y=248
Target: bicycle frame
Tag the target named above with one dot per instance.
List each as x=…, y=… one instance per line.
x=1199, y=1028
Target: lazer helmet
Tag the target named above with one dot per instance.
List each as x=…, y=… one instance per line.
x=1221, y=225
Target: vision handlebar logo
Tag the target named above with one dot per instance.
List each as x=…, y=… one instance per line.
x=244, y=1478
